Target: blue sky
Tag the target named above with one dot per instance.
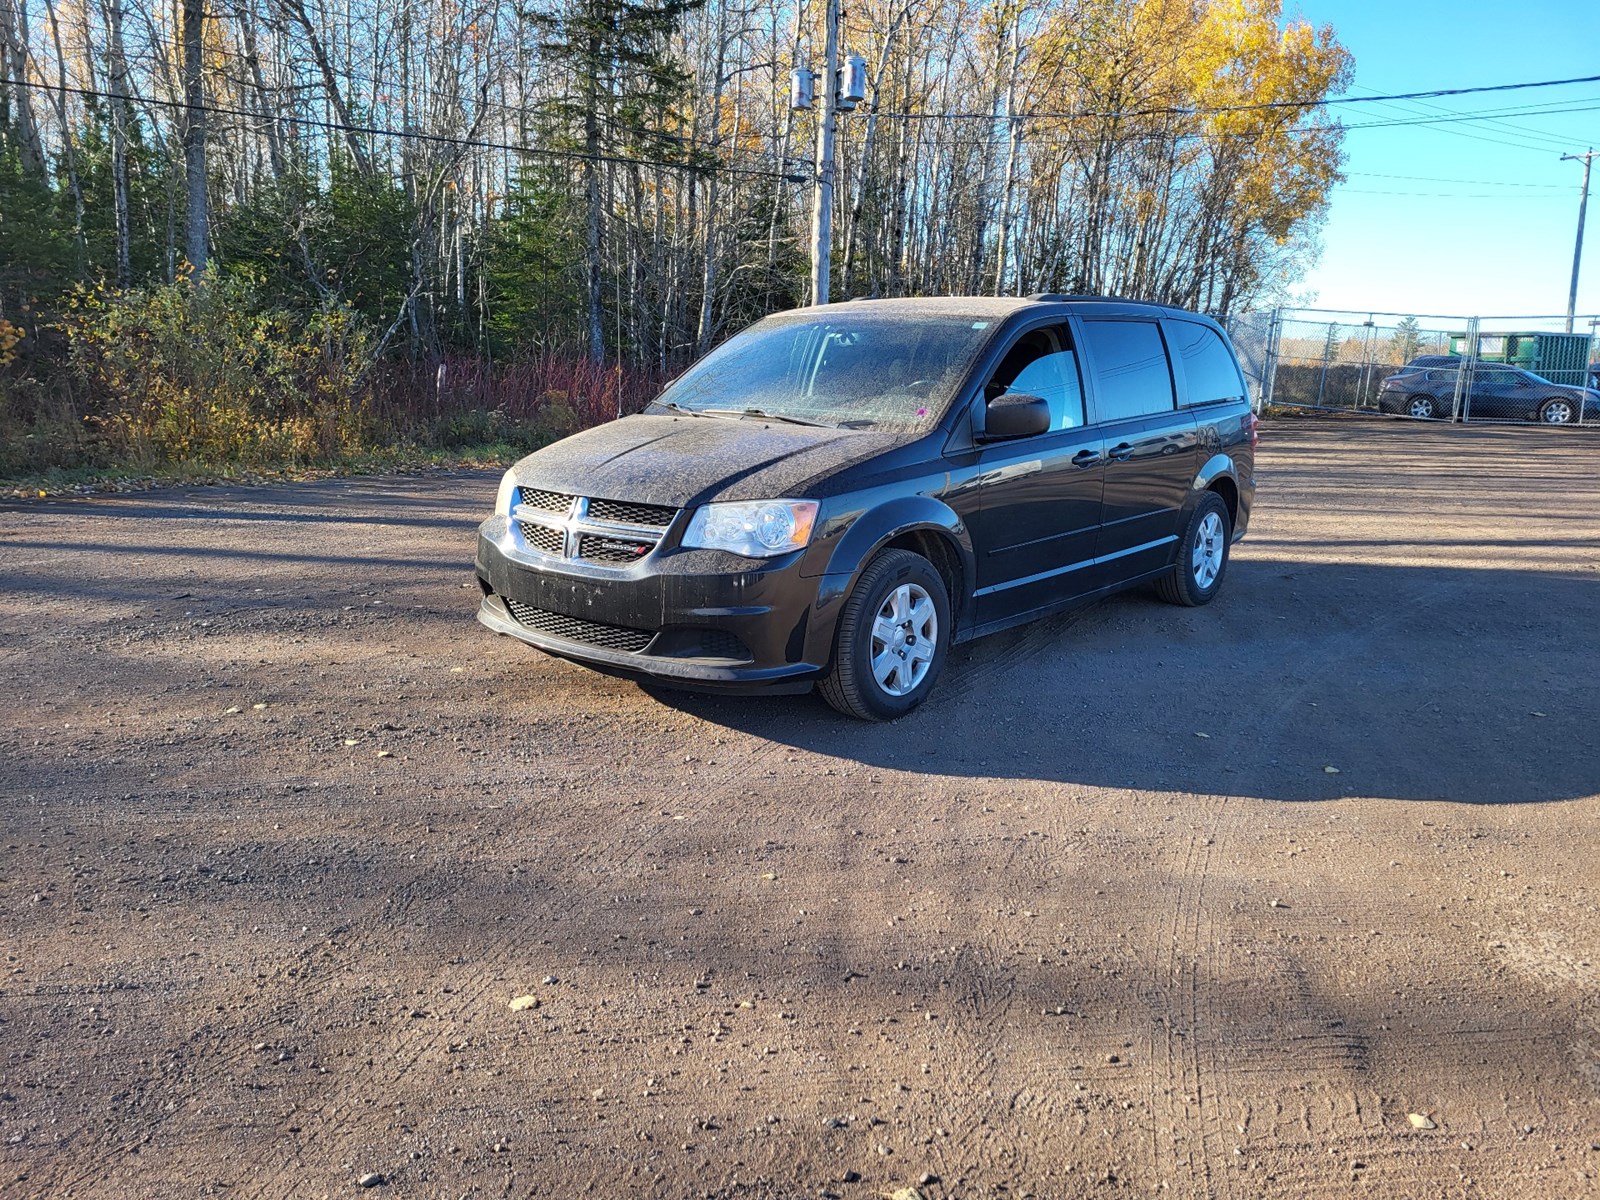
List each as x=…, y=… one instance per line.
x=1470, y=217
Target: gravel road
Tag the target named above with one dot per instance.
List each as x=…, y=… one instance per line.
x=308, y=881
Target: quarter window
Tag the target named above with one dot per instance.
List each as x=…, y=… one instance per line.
x=1208, y=368
x=1131, y=373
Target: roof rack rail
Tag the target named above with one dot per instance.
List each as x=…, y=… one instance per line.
x=1086, y=296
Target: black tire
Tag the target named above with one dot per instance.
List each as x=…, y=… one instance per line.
x=1203, y=552
x=851, y=686
x=1558, y=411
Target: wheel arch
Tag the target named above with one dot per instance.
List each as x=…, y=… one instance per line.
x=920, y=524
x=1220, y=475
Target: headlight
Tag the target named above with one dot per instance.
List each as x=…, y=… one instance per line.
x=507, y=495
x=757, y=529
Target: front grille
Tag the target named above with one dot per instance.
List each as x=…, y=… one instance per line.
x=612, y=550
x=609, y=532
x=576, y=629
x=545, y=501
x=622, y=511
x=542, y=537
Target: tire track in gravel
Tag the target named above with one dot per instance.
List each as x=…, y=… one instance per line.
x=979, y=666
x=969, y=1057
x=1177, y=1077
x=971, y=1054
x=471, y=990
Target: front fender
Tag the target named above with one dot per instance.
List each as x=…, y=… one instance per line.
x=871, y=530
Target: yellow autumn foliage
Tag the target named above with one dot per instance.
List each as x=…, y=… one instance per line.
x=184, y=373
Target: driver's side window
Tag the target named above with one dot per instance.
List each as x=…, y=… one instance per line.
x=1042, y=363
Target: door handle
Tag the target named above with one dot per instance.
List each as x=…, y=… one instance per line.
x=1085, y=458
x=1122, y=451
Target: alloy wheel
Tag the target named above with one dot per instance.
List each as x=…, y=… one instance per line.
x=905, y=634
x=1210, y=542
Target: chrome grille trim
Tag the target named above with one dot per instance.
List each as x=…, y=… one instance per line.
x=539, y=527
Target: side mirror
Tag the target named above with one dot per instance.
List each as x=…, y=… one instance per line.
x=1014, y=415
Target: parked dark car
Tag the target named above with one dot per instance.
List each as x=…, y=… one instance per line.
x=839, y=494
x=1426, y=387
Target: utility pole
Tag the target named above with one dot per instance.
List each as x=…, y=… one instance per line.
x=841, y=92
x=1577, y=249
x=822, y=203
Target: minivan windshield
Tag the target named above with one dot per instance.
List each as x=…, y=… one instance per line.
x=848, y=369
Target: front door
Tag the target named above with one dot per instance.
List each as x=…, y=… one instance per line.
x=1039, y=497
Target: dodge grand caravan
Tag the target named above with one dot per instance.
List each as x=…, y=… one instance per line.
x=837, y=495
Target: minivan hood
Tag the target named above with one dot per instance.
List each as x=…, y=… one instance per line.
x=683, y=460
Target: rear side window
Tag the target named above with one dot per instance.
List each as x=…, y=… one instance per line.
x=1131, y=371
x=1208, y=368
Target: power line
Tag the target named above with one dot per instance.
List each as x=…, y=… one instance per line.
x=416, y=135
x=468, y=100
x=1501, y=196
x=1588, y=106
x=1498, y=126
x=1199, y=111
x=1469, y=182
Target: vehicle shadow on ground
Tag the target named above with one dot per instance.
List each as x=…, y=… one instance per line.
x=1414, y=683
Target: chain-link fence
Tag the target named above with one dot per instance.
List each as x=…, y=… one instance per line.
x=1510, y=370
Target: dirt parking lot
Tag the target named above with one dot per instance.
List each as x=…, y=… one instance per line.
x=1292, y=896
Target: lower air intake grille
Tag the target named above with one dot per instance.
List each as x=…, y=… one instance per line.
x=576, y=629
x=719, y=643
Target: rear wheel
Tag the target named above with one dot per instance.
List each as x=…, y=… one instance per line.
x=1196, y=577
x=1558, y=411
x=893, y=635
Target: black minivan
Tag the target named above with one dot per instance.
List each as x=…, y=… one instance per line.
x=839, y=494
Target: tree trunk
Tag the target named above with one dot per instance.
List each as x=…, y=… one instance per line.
x=69, y=153
x=13, y=89
x=121, y=117
x=196, y=229
x=330, y=82
x=708, y=275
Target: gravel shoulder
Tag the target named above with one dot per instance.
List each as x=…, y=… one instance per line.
x=1295, y=895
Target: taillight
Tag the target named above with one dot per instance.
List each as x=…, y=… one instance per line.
x=1255, y=431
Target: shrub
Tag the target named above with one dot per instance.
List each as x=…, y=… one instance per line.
x=185, y=373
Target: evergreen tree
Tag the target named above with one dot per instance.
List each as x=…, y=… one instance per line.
x=624, y=81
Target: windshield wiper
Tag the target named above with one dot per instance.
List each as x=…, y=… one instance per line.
x=763, y=415
x=676, y=407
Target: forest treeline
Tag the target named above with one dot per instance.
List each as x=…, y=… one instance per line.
x=287, y=229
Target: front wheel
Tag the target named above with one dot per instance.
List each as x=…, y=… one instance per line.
x=1196, y=577
x=894, y=632
x=1557, y=412
x=1421, y=407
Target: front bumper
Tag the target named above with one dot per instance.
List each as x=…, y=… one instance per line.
x=697, y=619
